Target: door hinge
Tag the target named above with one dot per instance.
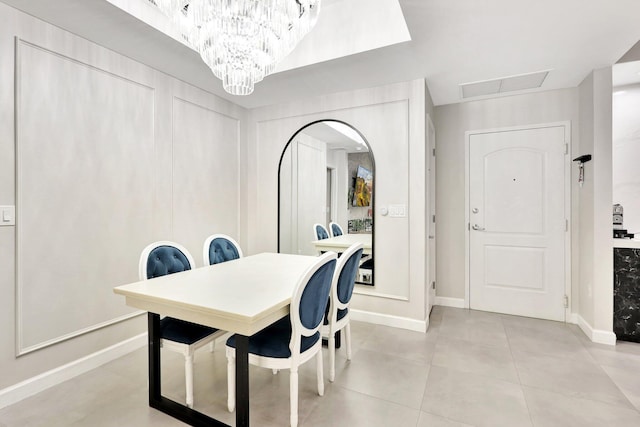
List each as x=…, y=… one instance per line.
x=566, y=225
x=433, y=152
x=469, y=226
x=566, y=148
x=433, y=285
x=566, y=301
x=433, y=218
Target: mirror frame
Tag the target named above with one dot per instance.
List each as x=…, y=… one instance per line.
x=375, y=174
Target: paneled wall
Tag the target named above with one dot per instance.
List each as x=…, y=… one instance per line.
x=392, y=119
x=101, y=155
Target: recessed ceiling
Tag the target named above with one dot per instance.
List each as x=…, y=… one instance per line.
x=451, y=42
x=337, y=136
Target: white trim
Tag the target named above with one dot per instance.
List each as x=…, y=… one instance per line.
x=31, y=386
x=363, y=290
x=573, y=318
x=27, y=350
x=596, y=335
x=451, y=302
x=567, y=202
x=389, y=320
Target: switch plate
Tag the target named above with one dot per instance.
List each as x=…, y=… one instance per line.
x=7, y=215
x=397, y=211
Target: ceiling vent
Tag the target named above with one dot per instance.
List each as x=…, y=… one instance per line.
x=503, y=85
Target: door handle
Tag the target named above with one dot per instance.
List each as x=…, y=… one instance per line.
x=477, y=227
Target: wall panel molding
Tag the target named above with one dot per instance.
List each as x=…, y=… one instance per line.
x=84, y=138
x=205, y=184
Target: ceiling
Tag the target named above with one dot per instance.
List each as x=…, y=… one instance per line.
x=337, y=136
x=452, y=42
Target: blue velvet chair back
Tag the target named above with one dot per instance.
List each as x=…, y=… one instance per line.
x=321, y=232
x=336, y=230
x=347, y=279
x=165, y=260
x=315, y=296
x=222, y=250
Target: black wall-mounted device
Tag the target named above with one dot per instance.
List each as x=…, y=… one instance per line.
x=583, y=159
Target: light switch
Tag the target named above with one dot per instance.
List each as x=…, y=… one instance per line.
x=8, y=216
x=397, y=211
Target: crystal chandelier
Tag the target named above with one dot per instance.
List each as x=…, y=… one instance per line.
x=242, y=40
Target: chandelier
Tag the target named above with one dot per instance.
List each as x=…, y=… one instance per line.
x=241, y=41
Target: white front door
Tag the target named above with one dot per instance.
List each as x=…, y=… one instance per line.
x=518, y=222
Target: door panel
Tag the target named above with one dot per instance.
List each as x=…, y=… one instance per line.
x=517, y=222
x=514, y=204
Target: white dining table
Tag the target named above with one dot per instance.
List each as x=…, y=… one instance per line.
x=242, y=296
x=341, y=243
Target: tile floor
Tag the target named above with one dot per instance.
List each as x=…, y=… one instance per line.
x=471, y=369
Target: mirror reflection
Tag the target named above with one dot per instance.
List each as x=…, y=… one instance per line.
x=326, y=193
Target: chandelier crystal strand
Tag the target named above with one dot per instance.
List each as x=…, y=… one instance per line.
x=242, y=41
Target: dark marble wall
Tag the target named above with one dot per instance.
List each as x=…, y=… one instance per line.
x=626, y=294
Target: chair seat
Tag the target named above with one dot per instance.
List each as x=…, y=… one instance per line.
x=182, y=331
x=341, y=314
x=273, y=341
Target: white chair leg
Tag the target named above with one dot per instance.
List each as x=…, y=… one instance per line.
x=347, y=339
x=332, y=357
x=293, y=395
x=231, y=383
x=320, y=373
x=188, y=377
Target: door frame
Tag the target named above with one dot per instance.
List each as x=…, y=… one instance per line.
x=430, y=229
x=567, y=204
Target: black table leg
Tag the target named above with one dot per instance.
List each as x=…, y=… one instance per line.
x=242, y=380
x=154, y=358
x=161, y=403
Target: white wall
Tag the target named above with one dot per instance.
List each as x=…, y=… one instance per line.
x=111, y=155
x=392, y=119
x=337, y=160
x=594, y=248
x=451, y=122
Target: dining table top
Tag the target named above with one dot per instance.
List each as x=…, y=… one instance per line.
x=340, y=243
x=242, y=296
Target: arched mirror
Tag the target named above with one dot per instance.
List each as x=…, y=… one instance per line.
x=326, y=193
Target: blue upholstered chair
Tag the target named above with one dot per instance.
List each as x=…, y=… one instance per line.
x=335, y=229
x=219, y=248
x=337, y=313
x=320, y=232
x=294, y=339
x=159, y=259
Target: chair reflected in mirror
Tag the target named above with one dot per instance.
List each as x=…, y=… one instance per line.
x=320, y=232
x=335, y=229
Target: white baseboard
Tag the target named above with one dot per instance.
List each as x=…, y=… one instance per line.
x=388, y=320
x=449, y=302
x=596, y=335
x=573, y=318
x=31, y=386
